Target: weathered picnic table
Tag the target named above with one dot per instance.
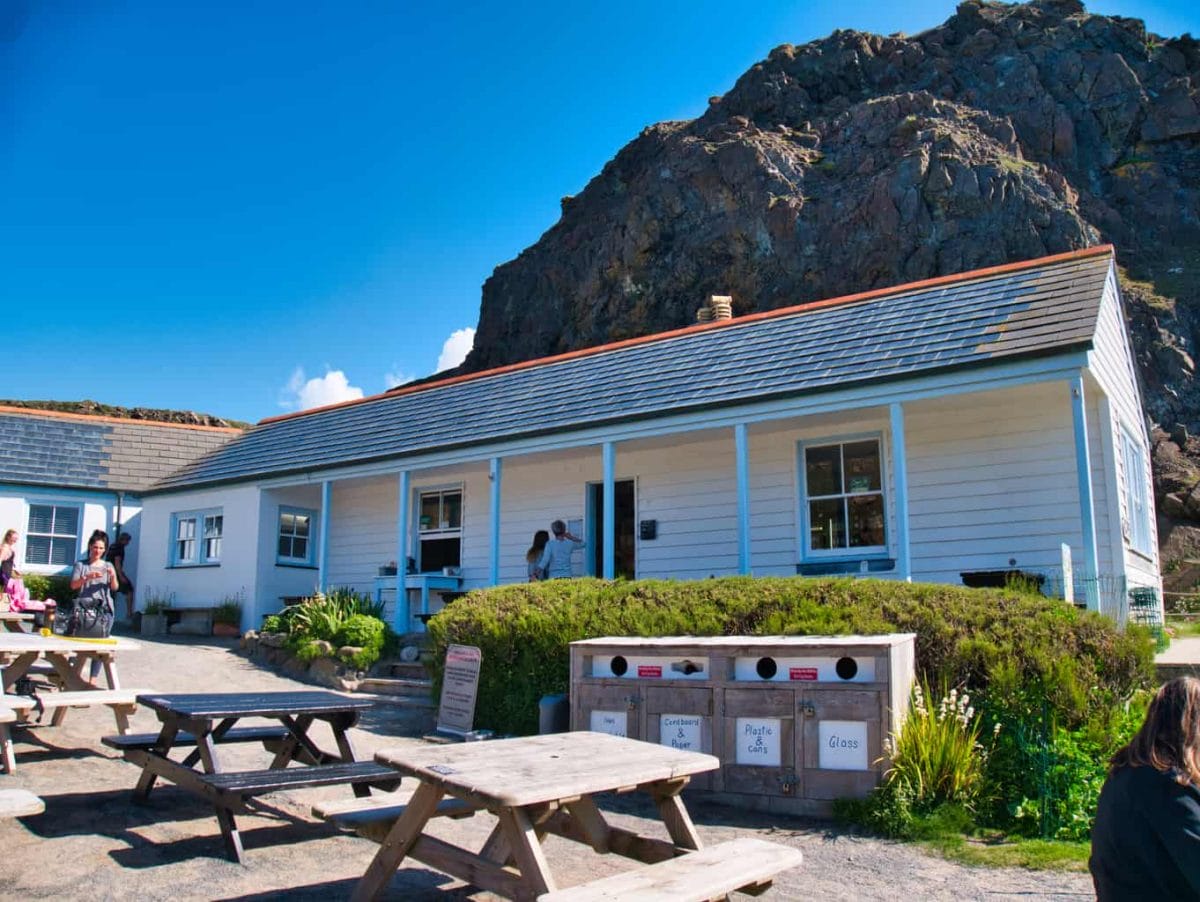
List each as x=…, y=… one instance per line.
x=13, y=621
x=546, y=784
x=202, y=722
x=68, y=658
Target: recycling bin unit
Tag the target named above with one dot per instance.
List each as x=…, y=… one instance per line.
x=797, y=721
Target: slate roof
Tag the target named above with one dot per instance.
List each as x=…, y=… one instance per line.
x=76, y=451
x=975, y=319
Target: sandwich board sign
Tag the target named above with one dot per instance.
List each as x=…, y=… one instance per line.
x=456, y=711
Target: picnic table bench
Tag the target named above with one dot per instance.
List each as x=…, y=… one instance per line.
x=540, y=785
x=203, y=722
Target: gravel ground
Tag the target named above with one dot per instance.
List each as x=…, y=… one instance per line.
x=93, y=843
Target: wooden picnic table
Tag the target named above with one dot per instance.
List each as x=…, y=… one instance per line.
x=202, y=722
x=13, y=620
x=67, y=657
x=533, y=785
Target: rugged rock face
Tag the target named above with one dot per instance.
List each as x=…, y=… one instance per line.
x=861, y=161
x=93, y=408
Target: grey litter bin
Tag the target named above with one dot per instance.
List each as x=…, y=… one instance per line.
x=554, y=714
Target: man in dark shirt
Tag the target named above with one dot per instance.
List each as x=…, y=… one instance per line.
x=116, y=557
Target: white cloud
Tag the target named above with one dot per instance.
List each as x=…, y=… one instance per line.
x=396, y=376
x=332, y=388
x=454, y=351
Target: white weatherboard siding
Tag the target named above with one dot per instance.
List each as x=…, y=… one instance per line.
x=992, y=480
x=535, y=491
x=97, y=509
x=1113, y=367
x=204, y=586
x=277, y=581
x=362, y=531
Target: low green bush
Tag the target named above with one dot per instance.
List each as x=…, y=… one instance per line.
x=57, y=586
x=274, y=623
x=965, y=637
x=365, y=632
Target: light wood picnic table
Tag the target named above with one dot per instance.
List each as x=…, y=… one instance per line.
x=13, y=621
x=68, y=657
x=534, y=785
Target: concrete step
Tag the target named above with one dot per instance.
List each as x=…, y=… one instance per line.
x=403, y=671
x=415, y=689
x=1170, y=670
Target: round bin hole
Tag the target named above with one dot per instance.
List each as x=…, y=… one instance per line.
x=766, y=668
x=847, y=668
x=619, y=665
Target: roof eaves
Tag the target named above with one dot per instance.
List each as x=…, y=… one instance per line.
x=697, y=407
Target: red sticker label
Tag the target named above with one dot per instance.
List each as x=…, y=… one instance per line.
x=802, y=673
x=647, y=670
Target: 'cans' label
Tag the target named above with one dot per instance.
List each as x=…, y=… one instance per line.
x=802, y=673
x=650, y=670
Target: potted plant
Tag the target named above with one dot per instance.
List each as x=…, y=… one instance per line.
x=154, y=614
x=227, y=618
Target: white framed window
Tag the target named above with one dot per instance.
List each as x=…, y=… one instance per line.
x=52, y=534
x=843, y=507
x=1137, y=502
x=297, y=535
x=196, y=537
x=439, y=529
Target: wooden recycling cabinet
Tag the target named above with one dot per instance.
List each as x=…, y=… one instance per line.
x=797, y=721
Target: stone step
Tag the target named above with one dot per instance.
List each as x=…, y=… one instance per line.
x=401, y=670
x=405, y=687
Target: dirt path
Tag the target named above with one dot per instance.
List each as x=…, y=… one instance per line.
x=93, y=843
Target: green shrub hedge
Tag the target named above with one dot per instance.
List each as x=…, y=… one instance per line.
x=57, y=587
x=964, y=636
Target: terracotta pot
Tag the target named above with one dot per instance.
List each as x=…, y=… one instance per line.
x=226, y=630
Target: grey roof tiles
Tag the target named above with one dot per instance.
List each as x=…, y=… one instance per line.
x=982, y=318
x=70, y=451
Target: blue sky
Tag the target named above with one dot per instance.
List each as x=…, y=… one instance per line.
x=248, y=207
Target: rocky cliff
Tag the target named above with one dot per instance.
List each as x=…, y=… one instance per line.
x=860, y=161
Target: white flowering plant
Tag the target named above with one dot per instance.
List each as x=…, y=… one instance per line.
x=939, y=755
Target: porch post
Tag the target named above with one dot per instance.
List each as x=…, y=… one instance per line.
x=323, y=541
x=742, y=468
x=401, y=622
x=900, y=462
x=494, y=473
x=610, y=515
x=1083, y=473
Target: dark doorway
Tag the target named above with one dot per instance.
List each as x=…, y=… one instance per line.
x=626, y=560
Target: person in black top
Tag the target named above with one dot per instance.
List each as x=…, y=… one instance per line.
x=116, y=557
x=1146, y=840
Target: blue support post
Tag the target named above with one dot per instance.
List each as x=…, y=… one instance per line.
x=742, y=466
x=323, y=547
x=900, y=462
x=401, y=622
x=494, y=473
x=610, y=514
x=1083, y=473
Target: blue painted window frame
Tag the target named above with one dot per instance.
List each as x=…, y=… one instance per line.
x=858, y=552
x=74, y=552
x=309, y=559
x=419, y=536
x=1137, y=502
x=200, y=554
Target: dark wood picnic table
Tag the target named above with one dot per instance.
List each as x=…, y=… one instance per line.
x=204, y=721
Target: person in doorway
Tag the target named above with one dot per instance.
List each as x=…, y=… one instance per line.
x=94, y=580
x=1146, y=840
x=533, y=557
x=116, y=557
x=556, y=558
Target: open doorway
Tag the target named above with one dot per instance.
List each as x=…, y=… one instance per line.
x=626, y=561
